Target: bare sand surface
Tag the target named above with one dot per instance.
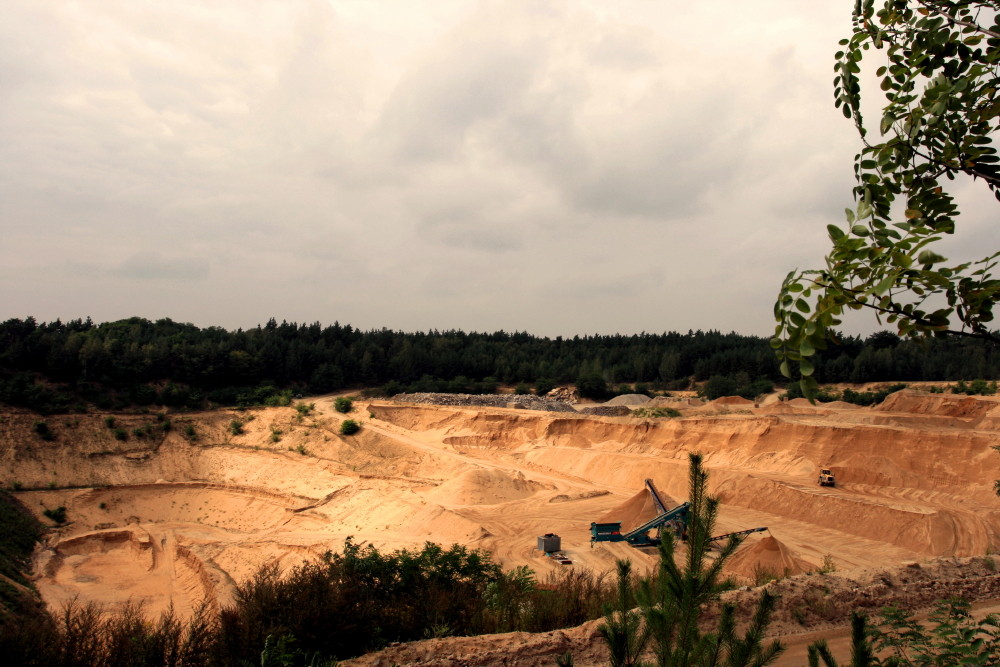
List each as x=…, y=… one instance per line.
x=176, y=520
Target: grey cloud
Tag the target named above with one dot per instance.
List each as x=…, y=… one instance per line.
x=478, y=165
x=152, y=266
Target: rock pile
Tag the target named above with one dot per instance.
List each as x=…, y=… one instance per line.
x=521, y=401
x=565, y=394
x=607, y=410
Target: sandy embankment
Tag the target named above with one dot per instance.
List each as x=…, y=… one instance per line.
x=176, y=520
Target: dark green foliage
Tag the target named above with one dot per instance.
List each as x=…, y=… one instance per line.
x=623, y=629
x=672, y=601
x=120, y=434
x=655, y=413
x=190, y=368
x=592, y=385
x=349, y=427
x=236, y=427
x=377, y=598
x=936, y=66
x=976, y=388
x=718, y=386
x=58, y=514
x=84, y=635
x=343, y=404
x=848, y=395
x=544, y=386
x=19, y=531
x=738, y=385
x=952, y=637
x=44, y=431
x=109, y=422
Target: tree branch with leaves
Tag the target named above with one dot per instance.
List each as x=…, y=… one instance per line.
x=941, y=81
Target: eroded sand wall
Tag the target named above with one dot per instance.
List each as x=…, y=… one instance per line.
x=959, y=461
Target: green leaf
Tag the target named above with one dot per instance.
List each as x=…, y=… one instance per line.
x=928, y=257
x=884, y=286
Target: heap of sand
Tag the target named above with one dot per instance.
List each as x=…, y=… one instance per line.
x=636, y=511
x=628, y=399
x=769, y=556
x=484, y=486
x=732, y=400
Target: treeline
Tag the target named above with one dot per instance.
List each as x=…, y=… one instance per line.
x=60, y=366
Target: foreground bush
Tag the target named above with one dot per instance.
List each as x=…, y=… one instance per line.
x=340, y=606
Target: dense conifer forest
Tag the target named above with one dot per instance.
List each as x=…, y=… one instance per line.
x=67, y=366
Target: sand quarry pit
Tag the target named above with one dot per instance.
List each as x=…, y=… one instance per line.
x=177, y=516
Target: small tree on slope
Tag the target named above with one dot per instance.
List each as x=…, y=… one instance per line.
x=672, y=601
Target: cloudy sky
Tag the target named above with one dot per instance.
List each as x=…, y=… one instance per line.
x=553, y=167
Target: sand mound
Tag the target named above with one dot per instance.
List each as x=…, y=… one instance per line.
x=637, y=510
x=732, y=400
x=629, y=399
x=481, y=486
x=941, y=405
x=841, y=405
x=768, y=556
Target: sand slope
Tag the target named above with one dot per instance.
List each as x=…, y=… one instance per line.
x=176, y=519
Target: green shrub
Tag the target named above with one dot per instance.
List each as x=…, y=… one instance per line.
x=343, y=404
x=120, y=434
x=592, y=385
x=975, y=388
x=236, y=427
x=544, y=386
x=58, y=514
x=654, y=413
x=349, y=427
x=109, y=422
x=43, y=431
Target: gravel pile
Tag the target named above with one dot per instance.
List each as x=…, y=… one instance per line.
x=522, y=401
x=629, y=399
x=607, y=410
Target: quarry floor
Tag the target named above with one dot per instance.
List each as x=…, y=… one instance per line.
x=177, y=515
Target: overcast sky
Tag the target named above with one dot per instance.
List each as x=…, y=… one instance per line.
x=559, y=168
